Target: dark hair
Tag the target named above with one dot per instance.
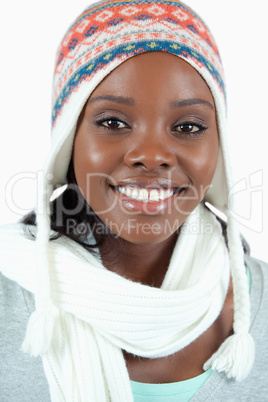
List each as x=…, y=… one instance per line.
x=71, y=216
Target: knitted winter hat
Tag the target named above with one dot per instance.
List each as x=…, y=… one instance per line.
x=101, y=38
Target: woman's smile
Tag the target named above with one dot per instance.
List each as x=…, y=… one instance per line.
x=148, y=198
x=146, y=146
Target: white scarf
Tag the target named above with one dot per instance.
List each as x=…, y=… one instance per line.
x=102, y=313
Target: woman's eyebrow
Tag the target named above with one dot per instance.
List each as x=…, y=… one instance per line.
x=113, y=98
x=190, y=102
x=131, y=101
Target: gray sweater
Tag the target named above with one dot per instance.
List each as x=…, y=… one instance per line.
x=22, y=378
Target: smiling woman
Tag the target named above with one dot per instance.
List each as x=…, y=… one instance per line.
x=163, y=138
x=138, y=291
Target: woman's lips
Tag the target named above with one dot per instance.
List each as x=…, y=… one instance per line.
x=146, y=200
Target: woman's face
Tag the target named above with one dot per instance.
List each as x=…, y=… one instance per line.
x=146, y=147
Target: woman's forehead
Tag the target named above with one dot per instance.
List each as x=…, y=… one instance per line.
x=151, y=73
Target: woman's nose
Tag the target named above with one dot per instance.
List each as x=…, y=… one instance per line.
x=151, y=155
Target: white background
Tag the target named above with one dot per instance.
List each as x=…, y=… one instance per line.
x=30, y=32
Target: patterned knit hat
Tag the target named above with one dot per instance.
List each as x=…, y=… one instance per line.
x=101, y=38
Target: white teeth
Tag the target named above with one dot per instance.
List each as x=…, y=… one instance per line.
x=135, y=193
x=154, y=195
x=143, y=194
x=162, y=194
x=168, y=193
x=128, y=191
x=146, y=195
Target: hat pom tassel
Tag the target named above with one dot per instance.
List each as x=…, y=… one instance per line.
x=235, y=356
x=40, y=330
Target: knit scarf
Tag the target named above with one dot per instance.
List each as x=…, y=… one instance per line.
x=102, y=313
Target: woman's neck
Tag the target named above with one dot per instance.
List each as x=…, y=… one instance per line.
x=146, y=264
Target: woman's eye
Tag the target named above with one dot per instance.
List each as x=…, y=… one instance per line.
x=190, y=128
x=112, y=124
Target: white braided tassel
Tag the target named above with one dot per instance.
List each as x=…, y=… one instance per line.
x=40, y=330
x=41, y=325
x=236, y=355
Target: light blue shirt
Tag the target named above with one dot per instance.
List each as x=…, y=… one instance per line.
x=182, y=391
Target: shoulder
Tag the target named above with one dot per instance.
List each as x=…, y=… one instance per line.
x=16, y=303
x=254, y=263
x=258, y=293
x=21, y=375
x=259, y=319
x=17, y=254
x=255, y=388
x=259, y=277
